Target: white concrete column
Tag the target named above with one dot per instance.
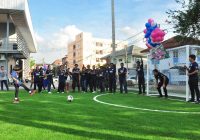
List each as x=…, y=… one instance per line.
x=147, y=75
x=187, y=64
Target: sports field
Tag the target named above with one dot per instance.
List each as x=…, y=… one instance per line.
x=110, y=117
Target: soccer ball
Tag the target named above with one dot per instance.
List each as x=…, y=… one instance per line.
x=70, y=98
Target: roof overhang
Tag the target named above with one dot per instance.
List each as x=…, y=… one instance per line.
x=20, y=16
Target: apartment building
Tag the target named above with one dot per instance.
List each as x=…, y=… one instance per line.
x=88, y=50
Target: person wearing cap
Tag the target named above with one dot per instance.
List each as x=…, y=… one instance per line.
x=18, y=83
x=122, y=72
x=161, y=81
x=76, y=78
x=140, y=77
x=112, y=78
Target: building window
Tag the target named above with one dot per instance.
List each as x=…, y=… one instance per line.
x=175, y=54
x=74, y=62
x=74, y=54
x=99, y=44
x=74, y=47
x=98, y=60
x=120, y=60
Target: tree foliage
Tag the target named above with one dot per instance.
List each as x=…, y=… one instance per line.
x=186, y=20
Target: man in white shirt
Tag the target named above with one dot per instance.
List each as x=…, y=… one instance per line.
x=4, y=78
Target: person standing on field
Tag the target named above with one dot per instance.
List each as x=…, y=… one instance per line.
x=193, y=79
x=140, y=77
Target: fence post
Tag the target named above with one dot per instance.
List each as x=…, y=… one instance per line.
x=187, y=64
x=147, y=74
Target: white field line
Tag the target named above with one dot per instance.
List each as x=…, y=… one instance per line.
x=142, y=109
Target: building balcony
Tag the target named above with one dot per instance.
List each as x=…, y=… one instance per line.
x=17, y=51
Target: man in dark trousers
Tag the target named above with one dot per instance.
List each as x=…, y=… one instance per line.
x=161, y=81
x=76, y=78
x=112, y=78
x=88, y=78
x=101, y=75
x=140, y=77
x=122, y=78
x=193, y=79
x=36, y=77
x=61, y=80
x=94, y=79
x=49, y=74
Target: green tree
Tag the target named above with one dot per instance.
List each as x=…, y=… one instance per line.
x=186, y=20
x=32, y=62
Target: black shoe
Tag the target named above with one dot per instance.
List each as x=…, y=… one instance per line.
x=166, y=96
x=160, y=96
x=197, y=102
x=191, y=101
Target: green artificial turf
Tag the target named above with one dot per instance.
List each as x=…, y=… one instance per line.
x=51, y=117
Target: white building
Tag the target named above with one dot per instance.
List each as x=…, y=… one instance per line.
x=16, y=35
x=86, y=49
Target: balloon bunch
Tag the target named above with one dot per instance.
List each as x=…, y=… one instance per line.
x=159, y=53
x=153, y=34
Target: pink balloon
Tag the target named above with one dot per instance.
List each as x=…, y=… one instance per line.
x=150, y=21
x=145, y=31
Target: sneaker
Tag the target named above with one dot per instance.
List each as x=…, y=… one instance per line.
x=16, y=101
x=160, y=96
x=32, y=92
x=197, y=102
x=62, y=92
x=49, y=92
x=58, y=92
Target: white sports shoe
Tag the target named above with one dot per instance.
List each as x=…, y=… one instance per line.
x=49, y=92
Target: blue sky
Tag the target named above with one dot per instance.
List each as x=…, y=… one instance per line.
x=56, y=19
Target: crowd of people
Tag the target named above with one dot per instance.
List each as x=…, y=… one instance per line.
x=93, y=80
x=86, y=79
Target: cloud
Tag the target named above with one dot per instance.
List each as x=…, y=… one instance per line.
x=127, y=31
x=54, y=46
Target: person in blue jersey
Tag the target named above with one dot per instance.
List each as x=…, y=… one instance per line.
x=112, y=78
x=76, y=78
x=122, y=72
x=19, y=83
x=161, y=81
x=193, y=79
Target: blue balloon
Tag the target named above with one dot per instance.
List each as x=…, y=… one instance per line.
x=153, y=44
x=148, y=34
x=148, y=25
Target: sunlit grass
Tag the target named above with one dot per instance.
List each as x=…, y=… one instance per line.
x=51, y=117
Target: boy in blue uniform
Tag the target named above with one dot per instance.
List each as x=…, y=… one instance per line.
x=193, y=79
x=112, y=78
x=122, y=78
x=161, y=81
x=17, y=83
